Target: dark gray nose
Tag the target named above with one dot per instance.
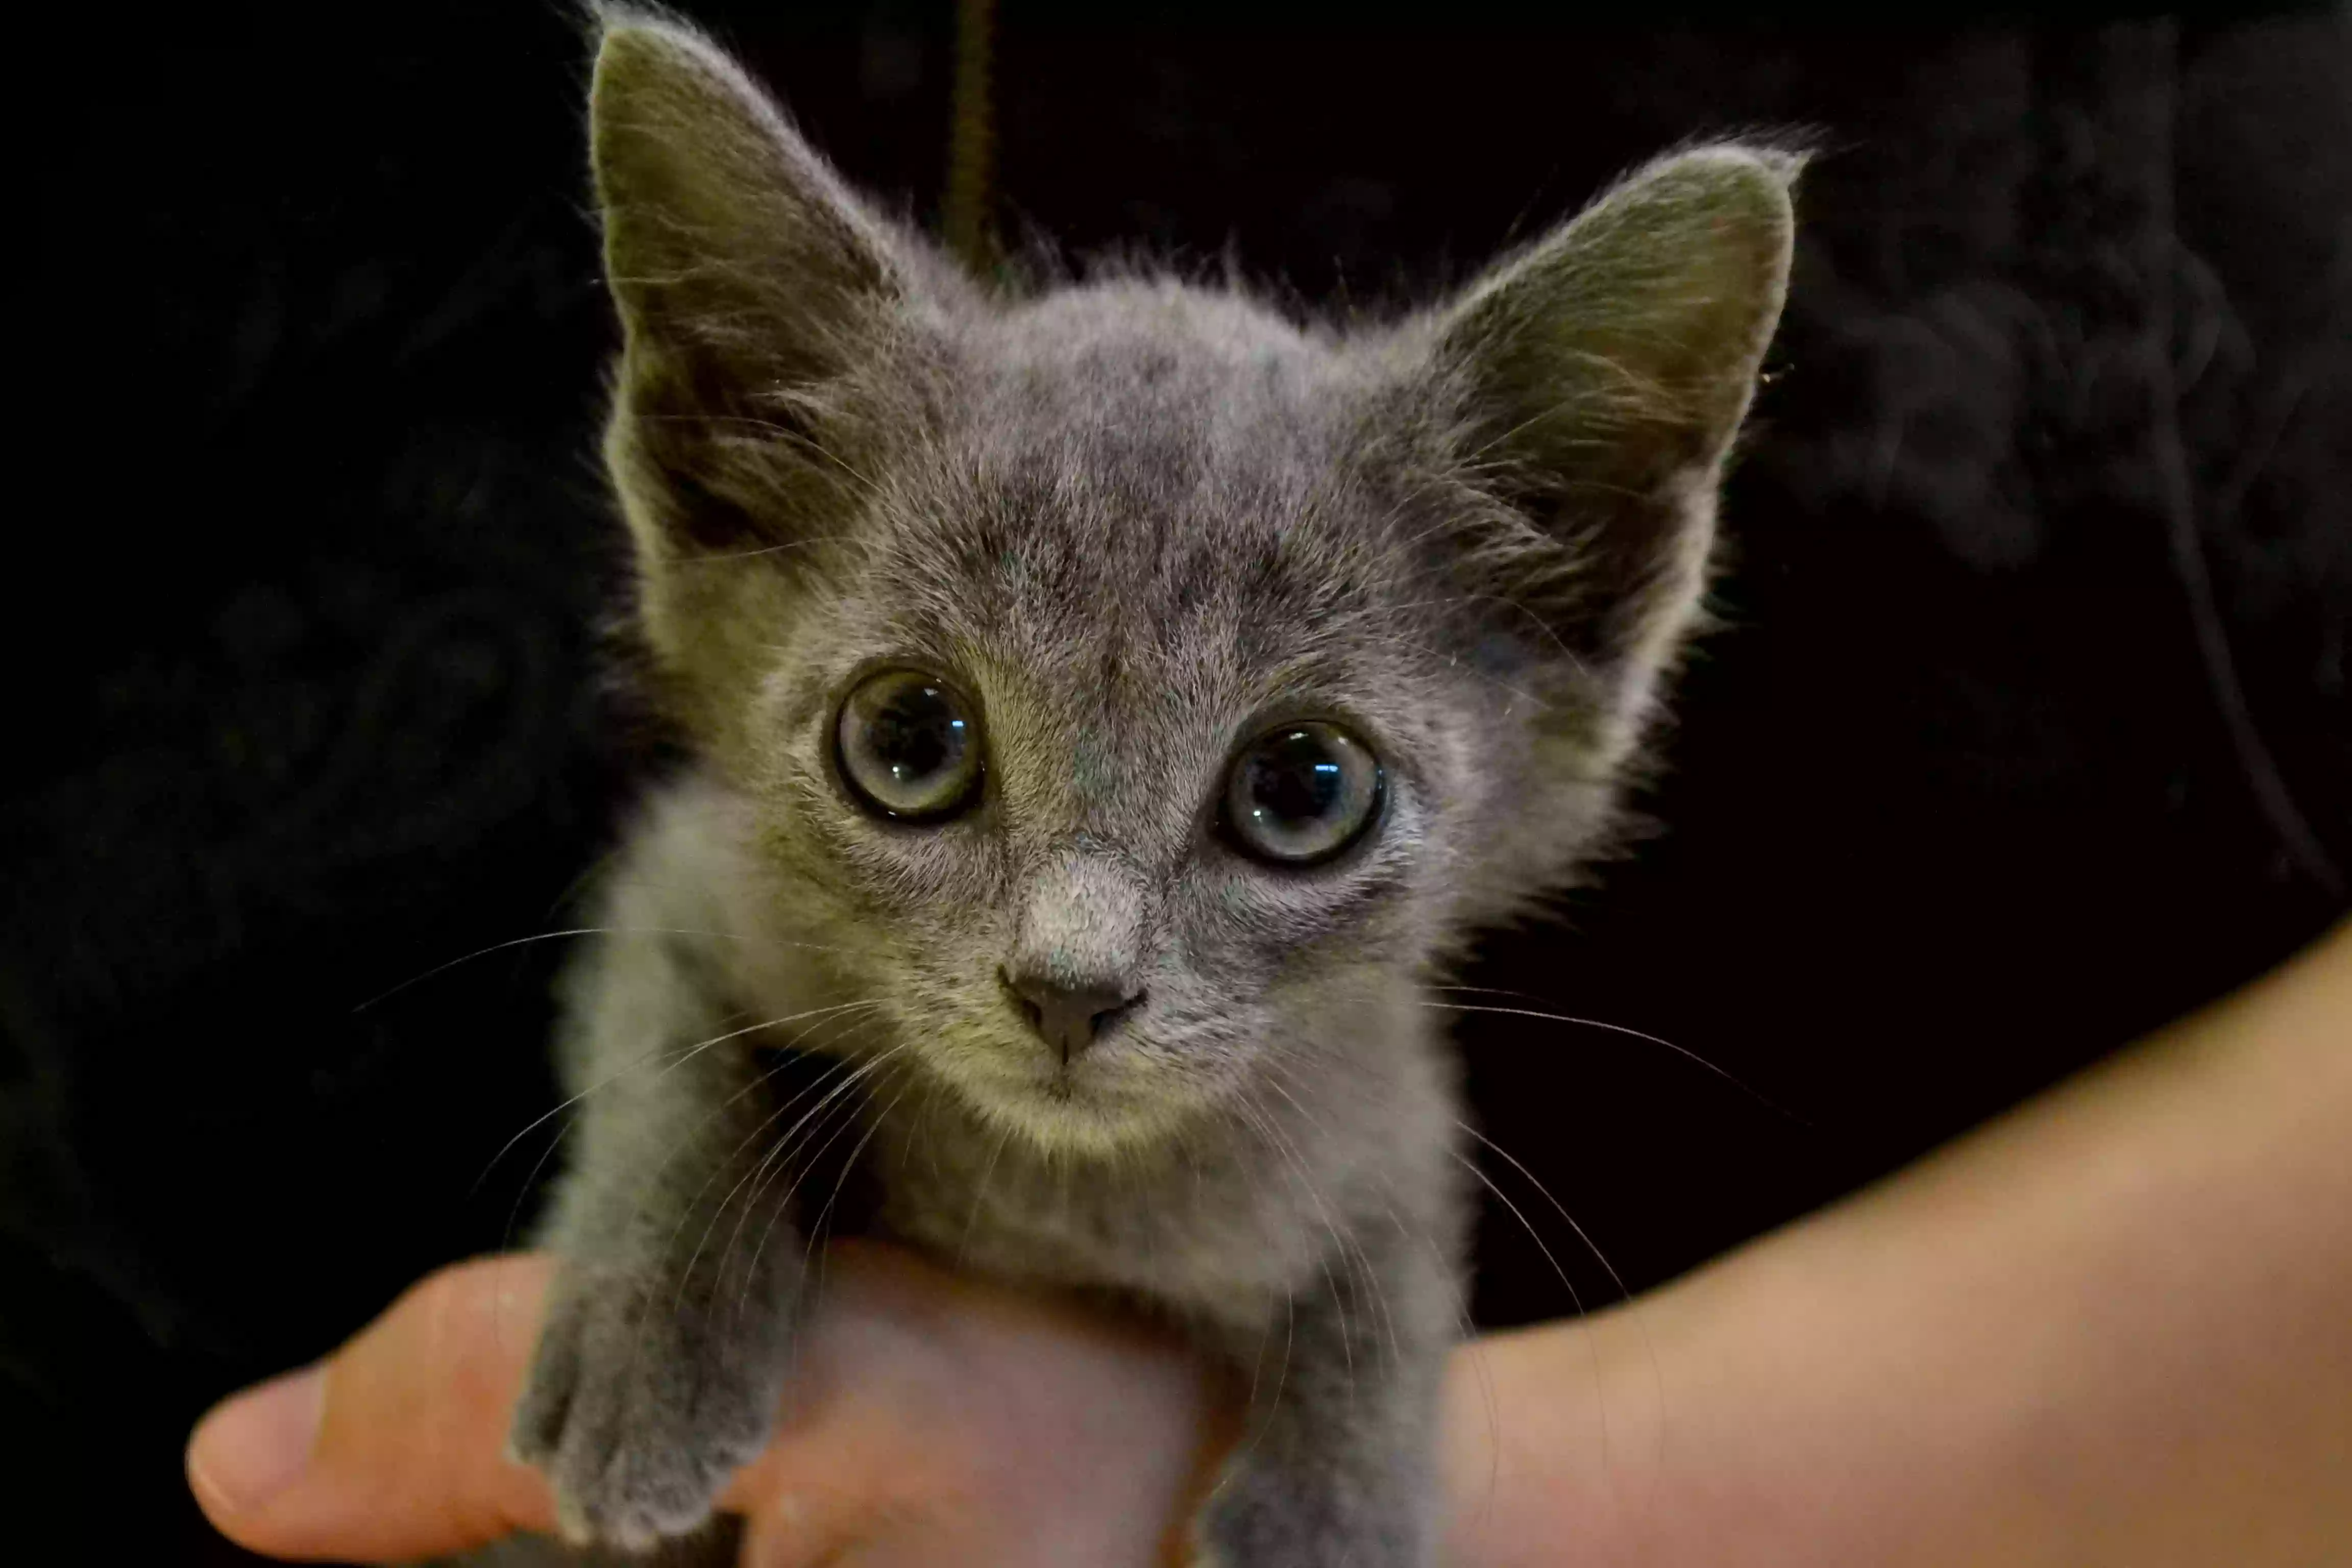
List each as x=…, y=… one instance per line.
x=1069, y=1017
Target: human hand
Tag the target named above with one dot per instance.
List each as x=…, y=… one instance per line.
x=933, y=1420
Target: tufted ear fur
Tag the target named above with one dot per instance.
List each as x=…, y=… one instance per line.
x=1593, y=388
x=754, y=292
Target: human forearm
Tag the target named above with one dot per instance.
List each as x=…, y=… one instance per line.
x=2114, y=1327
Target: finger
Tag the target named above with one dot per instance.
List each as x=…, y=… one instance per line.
x=939, y=1422
x=858, y=1453
x=393, y=1447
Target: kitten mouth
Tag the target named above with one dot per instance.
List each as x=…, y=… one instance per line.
x=1057, y=1101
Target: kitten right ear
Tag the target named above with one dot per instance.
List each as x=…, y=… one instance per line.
x=749, y=282
x=1597, y=381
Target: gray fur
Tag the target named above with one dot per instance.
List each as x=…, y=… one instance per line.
x=1138, y=521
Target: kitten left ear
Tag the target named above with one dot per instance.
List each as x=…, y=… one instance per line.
x=1594, y=385
x=748, y=281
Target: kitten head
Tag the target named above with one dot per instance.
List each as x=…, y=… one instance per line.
x=1141, y=689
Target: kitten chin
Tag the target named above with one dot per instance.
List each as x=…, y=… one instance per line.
x=1073, y=1112
x=1076, y=1123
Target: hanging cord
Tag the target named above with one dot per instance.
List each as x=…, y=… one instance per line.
x=972, y=148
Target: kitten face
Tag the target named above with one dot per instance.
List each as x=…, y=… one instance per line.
x=1124, y=531
x=1130, y=552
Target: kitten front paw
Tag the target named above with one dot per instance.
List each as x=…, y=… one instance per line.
x=640, y=1407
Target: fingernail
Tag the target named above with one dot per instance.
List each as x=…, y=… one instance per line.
x=248, y=1450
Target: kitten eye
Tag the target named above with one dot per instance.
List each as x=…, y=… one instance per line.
x=907, y=745
x=1302, y=794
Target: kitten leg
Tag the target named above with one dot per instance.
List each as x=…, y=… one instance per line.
x=666, y=1344
x=1340, y=1466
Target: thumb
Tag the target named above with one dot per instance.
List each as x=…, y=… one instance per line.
x=393, y=1447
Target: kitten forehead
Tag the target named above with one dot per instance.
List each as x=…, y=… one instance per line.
x=1204, y=409
x=1137, y=487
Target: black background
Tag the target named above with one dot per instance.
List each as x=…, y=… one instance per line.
x=2027, y=731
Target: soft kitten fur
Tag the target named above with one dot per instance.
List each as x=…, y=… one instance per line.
x=1137, y=521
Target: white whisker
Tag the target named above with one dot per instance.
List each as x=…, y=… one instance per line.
x=1657, y=1373
x=499, y=947
x=1683, y=1051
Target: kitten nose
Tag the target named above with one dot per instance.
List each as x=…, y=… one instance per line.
x=1069, y=1016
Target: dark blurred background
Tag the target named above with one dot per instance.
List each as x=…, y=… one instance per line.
x=2027, y=729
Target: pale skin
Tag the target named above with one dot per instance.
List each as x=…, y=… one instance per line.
x=2113, y=1327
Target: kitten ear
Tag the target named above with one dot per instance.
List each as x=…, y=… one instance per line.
x=1596, y=381
x=748, y=281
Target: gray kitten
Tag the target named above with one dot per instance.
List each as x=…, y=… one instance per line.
x=1111, y=708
